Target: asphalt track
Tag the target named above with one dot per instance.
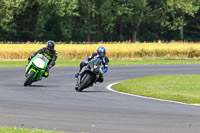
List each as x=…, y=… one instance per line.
x=53, y=103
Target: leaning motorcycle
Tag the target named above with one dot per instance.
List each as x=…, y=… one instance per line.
x=89, y=74
x=35, y=69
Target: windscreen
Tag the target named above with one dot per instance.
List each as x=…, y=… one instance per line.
x=43, y=58
x=97, y=61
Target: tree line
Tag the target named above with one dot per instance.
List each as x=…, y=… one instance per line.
x=99, y=20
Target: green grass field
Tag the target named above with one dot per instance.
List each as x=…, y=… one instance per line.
x=20, y=130
x=182, y=88
x=112, y=62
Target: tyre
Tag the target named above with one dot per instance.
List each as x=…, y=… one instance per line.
x=76, y=88
x=84, y=82
x=29, y=78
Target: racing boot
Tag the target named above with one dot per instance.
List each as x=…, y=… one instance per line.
x=76, y=75
x=46, y=74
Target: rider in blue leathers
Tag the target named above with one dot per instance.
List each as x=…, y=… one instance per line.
x=101, y=53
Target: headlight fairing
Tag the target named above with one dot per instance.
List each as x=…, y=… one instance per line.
x=39, y=63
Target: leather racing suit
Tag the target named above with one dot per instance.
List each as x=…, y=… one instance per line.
x=105, y=62
x=49, y=54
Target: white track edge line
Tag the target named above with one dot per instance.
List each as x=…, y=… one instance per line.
x=109, y=87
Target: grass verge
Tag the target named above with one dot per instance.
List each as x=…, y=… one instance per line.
x=24, y=63
x=112, y=62
x=182, y=88
x=20, y=130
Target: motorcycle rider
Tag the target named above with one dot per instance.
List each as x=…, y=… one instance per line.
x=50, y=53
x=101, y=53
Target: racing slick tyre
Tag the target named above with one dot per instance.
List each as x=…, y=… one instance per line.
x=29, y=78
x=84, y=82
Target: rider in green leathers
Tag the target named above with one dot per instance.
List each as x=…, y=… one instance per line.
x=50, y=53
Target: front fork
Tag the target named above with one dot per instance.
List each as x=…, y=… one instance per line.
x=32, y=69
x=78, y=81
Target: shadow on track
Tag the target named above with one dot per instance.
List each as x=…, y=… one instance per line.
x=35, y=86
x=85, y=91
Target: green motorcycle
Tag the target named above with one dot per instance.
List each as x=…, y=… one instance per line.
x=35, y=69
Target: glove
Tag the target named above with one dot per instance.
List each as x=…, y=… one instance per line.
x=29, y=58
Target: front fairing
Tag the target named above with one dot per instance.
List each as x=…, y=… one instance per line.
x=38, y=64
x=96, y=65
x=93, y=67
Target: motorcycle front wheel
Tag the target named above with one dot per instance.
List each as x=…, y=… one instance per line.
x=29, y=78
x=84, y=82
